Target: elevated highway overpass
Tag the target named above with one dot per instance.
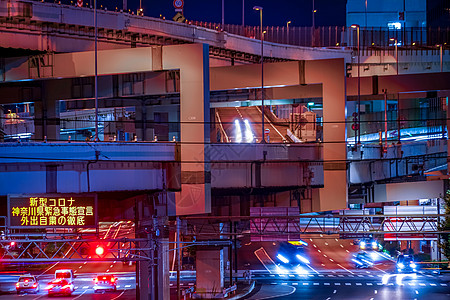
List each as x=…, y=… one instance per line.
x=192, y=175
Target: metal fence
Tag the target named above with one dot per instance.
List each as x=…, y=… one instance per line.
x=337, y=36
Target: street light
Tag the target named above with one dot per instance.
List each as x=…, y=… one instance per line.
x=313, y=23
x=96, y=71
x=243, y=14
x=358, y=127
x=260, y=9
x=287, y=31
x=440, y=56
x=396, y=51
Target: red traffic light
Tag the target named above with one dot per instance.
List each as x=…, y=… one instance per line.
x=99, y=250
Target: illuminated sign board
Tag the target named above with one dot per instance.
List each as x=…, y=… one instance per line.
x=52, y=211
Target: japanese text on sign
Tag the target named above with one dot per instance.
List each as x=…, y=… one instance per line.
x=45, y=211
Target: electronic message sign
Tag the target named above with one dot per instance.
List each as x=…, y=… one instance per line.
x=52, y=211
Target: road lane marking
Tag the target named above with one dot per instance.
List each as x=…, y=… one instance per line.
x=312, y=269
x=336, y=240
x=315, y=283
x=305, y=283
x=347, y=251
x=358, y=283
x=335, y=291
x=443, y=284
x=127, y=286
x=119, y=295
x=326, y=244
x=284, y=283
x=295, y=283
x=345, y=269
x=422, y=284
x=376, y=292
x=325, y=255
x=337, y=283
x=331, y=260
x=85, y=287
x=341, y=246
x=380, y=270
x=433, y=284
x=368, y=283
x=80, y=295
x=348, y=283
x=326, y=283
x=314, y=245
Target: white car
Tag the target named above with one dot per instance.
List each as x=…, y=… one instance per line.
x=27, y=283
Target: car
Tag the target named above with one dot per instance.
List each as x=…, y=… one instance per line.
x=27, y=283
x=60, y=287
x=292, y=256
x=105, y=283
x=370, y=245
x=406, y=264
x=362, y=260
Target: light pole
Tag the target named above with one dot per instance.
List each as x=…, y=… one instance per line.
x=260, y=9
x=223, y=14
x=440, y=56
x=287, y=31
x=313, y=22
x=358, y=129
x=243, y=10
x=396, y=51
x=96, y=71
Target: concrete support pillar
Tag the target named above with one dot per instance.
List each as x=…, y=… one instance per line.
x=334, y=193
x=210, y=273
x=193, y=62
x=163, y=267
x=46, y=112
x=144, y=131
x=144, y=282
x=46, y=120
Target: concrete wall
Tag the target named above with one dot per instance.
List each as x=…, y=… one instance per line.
x=409, y=191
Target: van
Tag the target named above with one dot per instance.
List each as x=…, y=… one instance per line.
x=66, y=274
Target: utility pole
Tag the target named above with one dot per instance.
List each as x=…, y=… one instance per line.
x=178, y=259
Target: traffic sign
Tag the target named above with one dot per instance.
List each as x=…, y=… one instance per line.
x=52, y=211
x=178, y=4
x=179, y=17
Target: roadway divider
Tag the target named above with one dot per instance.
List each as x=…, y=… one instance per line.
x=230, y=290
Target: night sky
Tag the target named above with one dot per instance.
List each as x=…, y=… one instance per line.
x=276, y=12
